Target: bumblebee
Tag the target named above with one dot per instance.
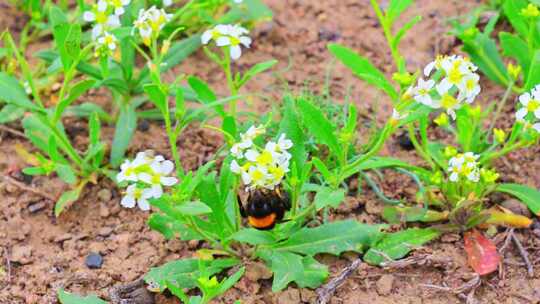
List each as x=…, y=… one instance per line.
x=265, y=208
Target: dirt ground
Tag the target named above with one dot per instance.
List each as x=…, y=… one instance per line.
x=40, y=253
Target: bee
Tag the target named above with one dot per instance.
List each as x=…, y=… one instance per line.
x=265, y=208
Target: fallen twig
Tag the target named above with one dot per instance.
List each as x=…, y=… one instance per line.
x=133, y=292
x=419, y=259
x=326, y=291
x=524, y=255
x=468, y=286
x=24, y=187
x=12, y=131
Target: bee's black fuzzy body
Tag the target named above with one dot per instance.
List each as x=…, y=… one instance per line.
x=264, y=208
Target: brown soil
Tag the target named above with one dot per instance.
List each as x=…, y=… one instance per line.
x=40, y=253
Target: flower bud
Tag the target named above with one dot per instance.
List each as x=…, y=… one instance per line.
x=514, y=71
x=531, y=11
x=404, y=79
x=450, y=151
x=442, y=120
x=499, y=135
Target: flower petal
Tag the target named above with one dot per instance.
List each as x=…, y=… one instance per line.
x=128, y=201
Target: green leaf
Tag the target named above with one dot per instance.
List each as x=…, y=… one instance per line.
x=194, y=208
x=333, y=238
x=254, y=237
x=396, y=8
x=290, y=125
x=404, y=29
x=319, y=126
x=13, y=93
x=397, y=245
x=123, y=132
x=529, y=196
x=321, y=166
x=66, y=173
x=484, y=53
x=158, y=97
x=209, y=194
x=247, y=11
x=533, y=77
x=76, y=91
x=328, y=197
x=515, y=47
x=256, y=69
x=204, y=93
x=363, y=69
x=286, y=266
x=230, y=281
x=512, y=10
x=10, y=112
x=314, y=274
x=184, y=273
x=69, y=298
x=66, y=199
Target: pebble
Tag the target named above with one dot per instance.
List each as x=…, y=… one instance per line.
x=104, y=195
x=36, y=207
x=104, y=211
x=105, y=231
x=405, y=142
x=289, y=296
x=93, y=260
x=21, y=254
x=256, y=271
x=384, y=284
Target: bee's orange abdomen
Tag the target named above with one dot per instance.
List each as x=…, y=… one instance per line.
x=262, y=222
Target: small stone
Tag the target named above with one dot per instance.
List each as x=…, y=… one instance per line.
x=22, y=254
x=104, y=195
x=256, y=271
x=384, y=284
x=11, y=188
x=193, y=244
x=104, y=211
x=63, y=237
x=105, y=231
x=93, y=260
x=405, y=142
x=307, y=295
x=143, y=125
x=36, y=207
x=289, y=296
x=373, y=207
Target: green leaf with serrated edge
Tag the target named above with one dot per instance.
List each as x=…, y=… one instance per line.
x=484, y=53
x=193, y=208
x=529, y=196
x=397, y=245
x=512, y=11
x=333, y=238
x=10, y=112
x=328, y=197
x=533, y=77
x=123, y=132
x=65, y=199
x=290, y=126
x=255, y=70
x=69, y=298
x=314, y=274
x=76, y=91
x=515, y=47
x=184, y=273
x=319, y=126
x=254, y=237
x=13, y=93
x=363, y=69
x=209, y=194
x=286, y=266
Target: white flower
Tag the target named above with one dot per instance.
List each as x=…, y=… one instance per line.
x=464, y=166
x=118, y=6
x=27, y=88
x=422, y=91
x=469, y=88
x=227, y=35
x=136, y=196
x=530, y=104
x=158, y=177
x=167, y=2
x=150, y=22
x=398, y=116
x=108, y=41
x=237, y=1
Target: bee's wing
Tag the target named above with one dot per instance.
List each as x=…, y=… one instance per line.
x=241, y=206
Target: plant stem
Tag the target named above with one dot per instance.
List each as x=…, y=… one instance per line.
x=500, y=106
x=230, y=81
x=419, y=148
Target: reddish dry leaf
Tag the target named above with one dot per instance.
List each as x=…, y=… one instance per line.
x=482, y=253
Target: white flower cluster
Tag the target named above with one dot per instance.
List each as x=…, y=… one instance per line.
x=453, y=83
x=464, y=166
x=228, y=35
x=530, y=110
x=147, y=175
x=150, y=22
x=106, y=16
x=258, y=167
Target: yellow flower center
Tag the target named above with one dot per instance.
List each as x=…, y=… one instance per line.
x=101, y=17
x=264, y=158
x=257, y=175
x=234, y=41
x=455, y=76
x=533, y=105
x=137, y=194
x=156, y=179
x=448, y=101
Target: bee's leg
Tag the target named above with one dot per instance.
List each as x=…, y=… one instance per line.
x=286, y=200
x=241, y=206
